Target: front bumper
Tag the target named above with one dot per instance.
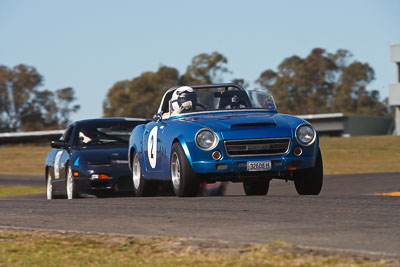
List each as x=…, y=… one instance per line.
x=114, y=184
x=119, y=179
x=231, y=168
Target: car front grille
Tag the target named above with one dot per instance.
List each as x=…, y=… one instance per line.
x=257, y=147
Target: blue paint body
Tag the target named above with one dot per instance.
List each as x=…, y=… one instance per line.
x=183, y=129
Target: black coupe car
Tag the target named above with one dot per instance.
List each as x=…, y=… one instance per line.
x=91, y=157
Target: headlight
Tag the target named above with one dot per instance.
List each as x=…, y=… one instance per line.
x=206, y=139
x=305, y=134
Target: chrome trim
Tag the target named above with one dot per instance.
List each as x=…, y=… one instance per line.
x=259, y=139
x=297, y=155
x=216, y=139
x=220, y=155
x=298, y=140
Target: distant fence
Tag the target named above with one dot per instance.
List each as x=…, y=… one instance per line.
x=30, y=137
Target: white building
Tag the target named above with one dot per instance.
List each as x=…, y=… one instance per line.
x=346, y=125
x=394, y=89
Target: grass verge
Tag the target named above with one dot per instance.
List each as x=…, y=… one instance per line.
x=31, y=248
x=364, y=154
x=20, y=190
x=23, y=158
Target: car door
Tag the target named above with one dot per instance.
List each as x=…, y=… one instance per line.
x=61, y=159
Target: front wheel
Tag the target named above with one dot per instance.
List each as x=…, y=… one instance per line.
x=141, y=186
x=71, y=186
x=49, y=187
x=309, y=181
x=184, y=180
x=256, y=186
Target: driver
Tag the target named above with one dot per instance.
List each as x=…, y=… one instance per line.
x=184, y=99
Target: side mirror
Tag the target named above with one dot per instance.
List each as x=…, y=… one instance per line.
x=58, y=144
x=157, y=117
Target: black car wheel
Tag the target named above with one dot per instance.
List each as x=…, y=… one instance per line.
x=256, y=186
x=70, y=184
x=142, y=187
x=309, y=181
x=184, y=180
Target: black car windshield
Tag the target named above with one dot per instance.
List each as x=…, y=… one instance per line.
x=104, y=133
x=220, y=98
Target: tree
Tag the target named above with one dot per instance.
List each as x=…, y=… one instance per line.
x=323, y=82
x=64, y=98
x=17, y=86
x=141, y=96
x=24, y=107
x=205, y=69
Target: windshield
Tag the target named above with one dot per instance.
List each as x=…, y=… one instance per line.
x=104, y=133
x=220, y=98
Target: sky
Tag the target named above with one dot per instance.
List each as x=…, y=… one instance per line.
x=89, y=45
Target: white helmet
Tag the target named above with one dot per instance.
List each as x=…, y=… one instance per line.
x=183, y=98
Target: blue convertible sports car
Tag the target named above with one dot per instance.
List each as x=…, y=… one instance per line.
x=220, y=132
x=91, y=157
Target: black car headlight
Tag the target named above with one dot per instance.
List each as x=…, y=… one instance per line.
x=206, y=139
x=305, y=134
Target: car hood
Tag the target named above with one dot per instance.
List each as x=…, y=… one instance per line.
x=98, y=156
x=239, y=125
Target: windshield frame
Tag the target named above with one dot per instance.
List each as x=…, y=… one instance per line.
x=246, y=96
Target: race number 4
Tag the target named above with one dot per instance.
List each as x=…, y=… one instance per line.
x=152, y=147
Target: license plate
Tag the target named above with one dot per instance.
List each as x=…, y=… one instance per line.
x=254, y=166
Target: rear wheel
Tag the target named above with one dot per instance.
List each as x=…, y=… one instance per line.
x=256, y=186
x=184, y=180
x=141, y=186
x=309, y=181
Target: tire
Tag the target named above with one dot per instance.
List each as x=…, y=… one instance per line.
x=49, y=187
x=309, y=181
x=70, y=185
x=256, y=186
x=141, y=186
x=185, y=182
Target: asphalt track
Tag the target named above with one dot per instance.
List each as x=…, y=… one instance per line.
x=346, y=216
